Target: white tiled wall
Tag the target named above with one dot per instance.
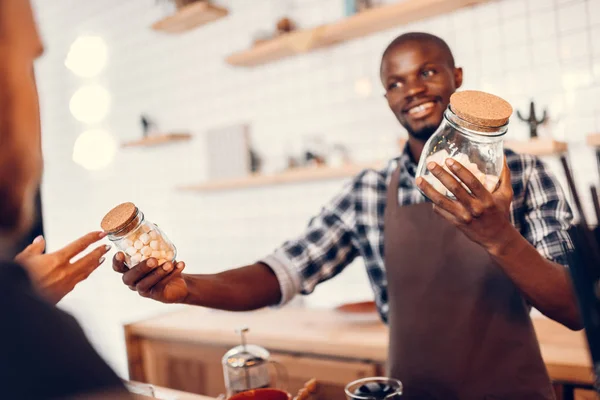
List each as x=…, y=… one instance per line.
x=520, y=49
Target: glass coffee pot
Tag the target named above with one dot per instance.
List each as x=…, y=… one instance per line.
x=472, y=133
x=246, y=367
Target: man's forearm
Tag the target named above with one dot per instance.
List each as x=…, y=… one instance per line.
x=247, y=288
x=545, y=284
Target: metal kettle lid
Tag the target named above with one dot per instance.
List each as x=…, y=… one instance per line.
x=245, y=355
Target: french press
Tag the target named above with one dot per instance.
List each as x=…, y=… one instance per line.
x=246, y=367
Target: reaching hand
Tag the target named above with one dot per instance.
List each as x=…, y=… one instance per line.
x=54, y=274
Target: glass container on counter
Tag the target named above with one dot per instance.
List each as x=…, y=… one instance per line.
x=376, y=388
x=246, y=367
x=137, y=237
x=472, y=133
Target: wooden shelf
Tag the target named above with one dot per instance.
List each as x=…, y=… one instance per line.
x=537, y=147
x=359, y=25
x=190, y=17
x=297, y=175
x=593, y=139
x=158, y=139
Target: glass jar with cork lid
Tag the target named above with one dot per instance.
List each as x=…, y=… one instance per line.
x=472, y=133
x=137, y=237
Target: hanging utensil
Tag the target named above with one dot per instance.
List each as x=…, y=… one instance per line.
x=598, y=159
x=573, y=189
x=587, y=235
x=596, y=202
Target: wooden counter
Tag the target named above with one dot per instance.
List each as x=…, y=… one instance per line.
x=311, y=343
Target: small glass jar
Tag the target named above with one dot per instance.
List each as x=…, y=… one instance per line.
x=136, y=237
x=478, y=147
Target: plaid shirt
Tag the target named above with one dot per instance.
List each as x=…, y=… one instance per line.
x=351, y=225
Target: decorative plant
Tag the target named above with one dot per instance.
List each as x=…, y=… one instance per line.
x=532, y=120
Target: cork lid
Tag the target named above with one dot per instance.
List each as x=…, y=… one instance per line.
x=481, y=108
x=118, y=217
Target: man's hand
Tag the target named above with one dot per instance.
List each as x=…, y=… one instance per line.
x=54, y=274
x=481, y=215
x=163, y=283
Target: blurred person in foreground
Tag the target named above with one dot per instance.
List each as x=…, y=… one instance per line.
x=454, y=278
x=44, y=353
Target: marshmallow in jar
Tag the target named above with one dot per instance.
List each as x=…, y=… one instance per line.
x=138, y=238
x=472, y=133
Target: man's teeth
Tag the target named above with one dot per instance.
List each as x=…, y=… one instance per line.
x=420, y=108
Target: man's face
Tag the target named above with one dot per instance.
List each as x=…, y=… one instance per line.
x=20, y=153
x=419, y=81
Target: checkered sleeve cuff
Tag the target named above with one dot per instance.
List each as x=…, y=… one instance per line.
x=288, y=276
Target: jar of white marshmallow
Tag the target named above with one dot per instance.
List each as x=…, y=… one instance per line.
x=138, y=238
x=472, y=133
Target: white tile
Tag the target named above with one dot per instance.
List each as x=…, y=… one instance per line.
x=542, y=24
x=594, y=11
x=517, y=57
x=471, y=66
x=488, y=13
x=513, y=8
x=548, y=78
x=562, y=2
x=463, y=18
x=576, y=74
x=514, y=31
x=465, y=42
x=442, y=24
x=545, y=52
x=471, y=79
x=490, y=36
x=539, y=5
x=572, y=17
x=582, y=101
x=592, y=97
x=596, y=69
x=574, y=45
x=595, y=37
x=515, y=84
x=493, y=62
x=577, y=128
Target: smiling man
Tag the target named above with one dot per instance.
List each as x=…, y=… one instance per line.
x=420, y=110
x=456, y=290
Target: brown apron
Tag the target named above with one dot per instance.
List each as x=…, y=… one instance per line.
x=459, y=328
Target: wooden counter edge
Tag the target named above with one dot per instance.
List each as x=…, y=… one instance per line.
x=363, y=353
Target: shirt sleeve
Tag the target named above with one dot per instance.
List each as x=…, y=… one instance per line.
x=547, y=215
x=325, y=248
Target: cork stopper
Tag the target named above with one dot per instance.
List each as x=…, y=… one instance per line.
x=117, y=218
x=481, y=108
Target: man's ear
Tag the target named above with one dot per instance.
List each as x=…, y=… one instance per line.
x=458, y=77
